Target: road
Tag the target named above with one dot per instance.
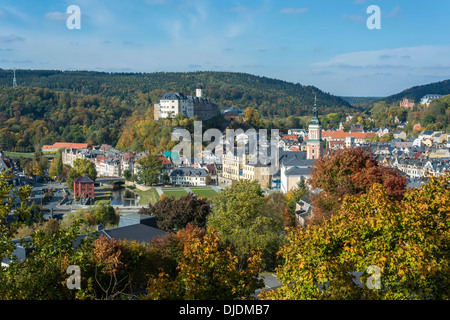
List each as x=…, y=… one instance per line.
x=37, y=194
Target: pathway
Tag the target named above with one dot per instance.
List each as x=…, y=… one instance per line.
x=160, y=191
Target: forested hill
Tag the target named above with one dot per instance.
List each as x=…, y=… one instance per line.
x=271, y=97
x=417, y=92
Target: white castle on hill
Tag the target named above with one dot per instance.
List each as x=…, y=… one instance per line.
x=172, y=104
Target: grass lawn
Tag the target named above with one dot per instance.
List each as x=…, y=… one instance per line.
x=28, y=155
x=176, y=192
x=19, y=154
x=146, y=197
x=205, y=192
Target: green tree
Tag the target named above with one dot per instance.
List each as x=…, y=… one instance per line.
x=10, y=199
x=39, y=158
x=105, y=214
x=81, y=167
x=35, y=216
x=150, y=168
x=294, y=195
x=165, y=177
x=128, y=175
x=241, y=215
x=407, y=240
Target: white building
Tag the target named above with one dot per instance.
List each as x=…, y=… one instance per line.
x=189, y=176
x=428, y=98
x=172, y=104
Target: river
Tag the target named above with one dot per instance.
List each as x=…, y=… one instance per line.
x=122, y=196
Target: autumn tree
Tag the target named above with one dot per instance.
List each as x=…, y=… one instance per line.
x=252, y=116
x=57, y=168
x=407, y=242
x=349, y=172
x=168, y=249
x=173, y=214
x=207, y=271
x=10, y=199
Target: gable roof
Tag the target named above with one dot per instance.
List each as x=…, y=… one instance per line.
x=83, y=179
x=173, y=96
x=191, y=172
x=137, y=218
x=164, y=160
x=298, y=171
x=138, y=232
x=341, y=135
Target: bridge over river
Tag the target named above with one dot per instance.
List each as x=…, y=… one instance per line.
x=109, y=180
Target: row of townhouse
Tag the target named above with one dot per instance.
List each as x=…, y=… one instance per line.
x=283, y=175
x=187, y=176
x=430, y=138
x=419, y=168
x=108, y=161
x=112, y=163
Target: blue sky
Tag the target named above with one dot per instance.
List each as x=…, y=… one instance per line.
x=325, y=43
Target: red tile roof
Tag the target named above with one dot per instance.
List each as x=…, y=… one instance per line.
x=341, y=135
x=67, y=145
x=164, y=160
x=290, y=137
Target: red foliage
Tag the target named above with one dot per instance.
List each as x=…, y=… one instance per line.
x=350, y=172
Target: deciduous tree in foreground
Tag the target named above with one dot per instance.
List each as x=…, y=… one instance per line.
x=408, y=242
x=349, y=172
x=207, y=271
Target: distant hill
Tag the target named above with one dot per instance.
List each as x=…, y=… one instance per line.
x=271, y=97
x=417, y=92
x=358, y=101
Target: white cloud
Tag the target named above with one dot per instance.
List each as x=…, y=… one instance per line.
x=11, y=38
x=152, y=2
x=395, y=12
x=293, y=10
x=56, y=16
x=356, y=18
x=419, y=56
x=382, y=72
x=240, y=9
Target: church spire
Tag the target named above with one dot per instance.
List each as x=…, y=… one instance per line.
x=315, y=110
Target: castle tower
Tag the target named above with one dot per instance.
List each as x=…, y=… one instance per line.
x=313, y=145
x=199, y=90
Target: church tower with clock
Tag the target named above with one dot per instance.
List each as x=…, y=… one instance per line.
x=314, y=143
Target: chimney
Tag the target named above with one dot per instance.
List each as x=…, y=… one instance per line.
x=99, y=227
